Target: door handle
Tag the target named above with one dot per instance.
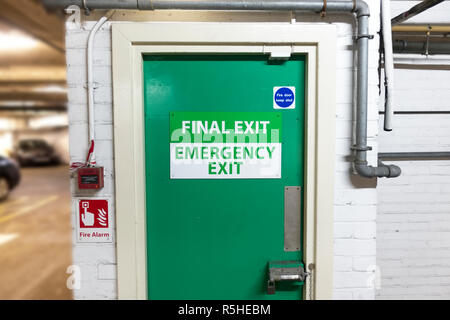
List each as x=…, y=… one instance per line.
x=281, y=271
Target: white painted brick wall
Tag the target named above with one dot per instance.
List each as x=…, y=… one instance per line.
x=355, y=198
x=413, y=221
x=413, y=225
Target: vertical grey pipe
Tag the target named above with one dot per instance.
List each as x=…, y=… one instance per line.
x=362, y=13
x=361, y=148
x=388, y=55
x=361, y=94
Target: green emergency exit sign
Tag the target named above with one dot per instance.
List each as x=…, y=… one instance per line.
x=225, y=145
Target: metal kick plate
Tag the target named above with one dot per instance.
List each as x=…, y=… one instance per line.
x=292, y=218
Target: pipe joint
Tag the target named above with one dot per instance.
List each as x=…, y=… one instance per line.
x=383, y=170
x=394, y=171
x=362, y=15
x=362, y=9
x=145, y=5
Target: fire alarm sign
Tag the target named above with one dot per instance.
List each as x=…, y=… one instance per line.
x=93, y=221
x=94, y=214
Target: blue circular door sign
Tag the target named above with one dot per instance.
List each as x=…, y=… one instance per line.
x=284, y=97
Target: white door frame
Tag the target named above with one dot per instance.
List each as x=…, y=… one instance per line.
x=131, y=40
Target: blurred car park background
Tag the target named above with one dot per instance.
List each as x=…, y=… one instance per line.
x=35, y=229
x=35, y=151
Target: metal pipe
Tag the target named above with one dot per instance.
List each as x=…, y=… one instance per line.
x=421, y=47
x=388, y=64
x=414, y=155
x=418, y=8
x=262, y=5
x=421, y=28
x=359, y=7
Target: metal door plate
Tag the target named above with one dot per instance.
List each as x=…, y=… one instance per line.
x=292, y=218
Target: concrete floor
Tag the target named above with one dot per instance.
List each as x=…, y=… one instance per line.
x=35, y=236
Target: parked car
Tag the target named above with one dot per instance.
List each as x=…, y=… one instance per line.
x=9, y=176
x=35, y=151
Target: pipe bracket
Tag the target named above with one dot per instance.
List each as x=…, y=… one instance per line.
x=361, y=148
x=145, y=5
x=359, y=36
x=87, y=11
x=354, y=6
x=323, y=12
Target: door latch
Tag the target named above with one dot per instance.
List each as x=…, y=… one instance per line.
x=281, y=271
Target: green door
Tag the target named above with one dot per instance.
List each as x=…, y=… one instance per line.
x=213, y=237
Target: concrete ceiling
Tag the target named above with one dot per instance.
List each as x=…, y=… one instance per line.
x=40, y=54
x=33, y=18
x=32, y=57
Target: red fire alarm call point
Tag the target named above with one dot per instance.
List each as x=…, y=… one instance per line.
x=90, y=177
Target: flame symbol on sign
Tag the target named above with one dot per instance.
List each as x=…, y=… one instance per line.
x=102, y=217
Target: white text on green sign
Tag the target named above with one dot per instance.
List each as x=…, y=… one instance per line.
x=225, y=145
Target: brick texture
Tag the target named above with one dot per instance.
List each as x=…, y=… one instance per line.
x=413, y=220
